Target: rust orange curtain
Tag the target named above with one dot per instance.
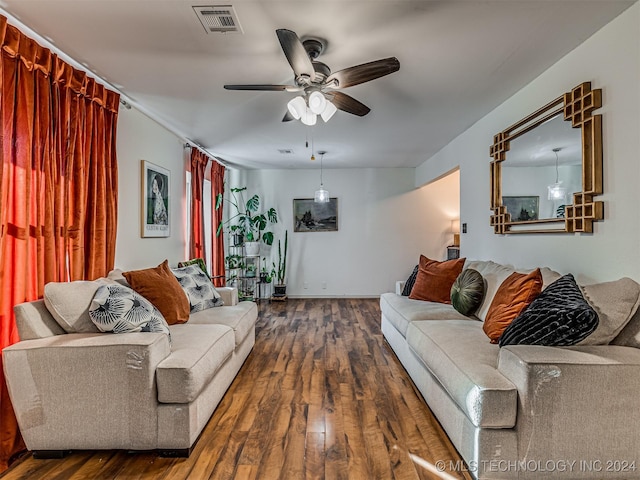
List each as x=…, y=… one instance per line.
x=58, y=185
x=198, y=165
x=217, y=242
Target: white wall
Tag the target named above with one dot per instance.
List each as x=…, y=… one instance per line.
x=385, y=223
x=140, y=138
x=610, y=60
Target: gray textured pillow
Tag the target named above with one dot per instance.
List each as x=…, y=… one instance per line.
x=198, y=287
x=69, y=302
x=615, y=302
x=119, y=309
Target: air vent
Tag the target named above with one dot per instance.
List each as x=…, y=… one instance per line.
x=218, y=18
x=285, y=151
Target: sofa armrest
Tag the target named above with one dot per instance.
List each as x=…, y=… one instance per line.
x=56, y=385
x=564, y=394
x=229, y=295
x=400, y=286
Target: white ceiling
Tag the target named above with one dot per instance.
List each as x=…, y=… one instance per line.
x=458, y=61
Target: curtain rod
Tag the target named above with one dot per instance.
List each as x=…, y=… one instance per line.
x=126, y=101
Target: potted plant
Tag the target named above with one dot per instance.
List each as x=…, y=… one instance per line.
x=265, y=275
x=280, y=288
x=251, y=270
x=248, y=221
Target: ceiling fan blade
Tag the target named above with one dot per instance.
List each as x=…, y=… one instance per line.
x=363, y=73
x=267, y=88
x=348, y=104
x=288, y=117
x=296, y=54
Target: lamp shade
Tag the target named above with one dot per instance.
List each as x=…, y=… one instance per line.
x=297, y=107
x=556, y=191
x=317, y=102
x=328, y=111
x=321, y=196
x=308, y=117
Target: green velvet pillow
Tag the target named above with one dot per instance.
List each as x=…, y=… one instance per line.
x=196, y=261
x=467, y=291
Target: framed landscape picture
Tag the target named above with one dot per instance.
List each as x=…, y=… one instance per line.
x=522, y=208
x=309, y=216
x=155, y=200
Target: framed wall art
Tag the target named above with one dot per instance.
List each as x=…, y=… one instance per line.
x=522, y=208
x=309, y=216
x=156, y=202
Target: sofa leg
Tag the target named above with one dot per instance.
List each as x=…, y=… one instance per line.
x=175, y=453
x=50, y=454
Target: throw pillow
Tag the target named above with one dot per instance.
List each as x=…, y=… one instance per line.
x=408, y=285
x=514, y=295
x=198, y=288
x=615, y=303
x=196, y=261
x=434, y=279
x=560, y=316
x=69, y=303
x=118, y=309
x=160, y=287
x=467, y=291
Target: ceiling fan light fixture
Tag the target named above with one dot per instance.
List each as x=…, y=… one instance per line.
x=328, y=111
x=297, y=107
x=317, y=102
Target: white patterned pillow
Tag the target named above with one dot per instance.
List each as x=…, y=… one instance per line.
x=119, y=309
x=198, y=287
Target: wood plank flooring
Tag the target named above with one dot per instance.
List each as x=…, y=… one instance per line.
x=321, y=396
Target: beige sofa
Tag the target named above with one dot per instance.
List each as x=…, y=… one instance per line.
x=522, y=411
x=131, y=391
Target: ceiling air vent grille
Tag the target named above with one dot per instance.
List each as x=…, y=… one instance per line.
x=218, y=18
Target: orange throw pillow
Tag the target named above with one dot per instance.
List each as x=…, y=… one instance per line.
x=161, y=288
x=514, y=295
x=434, y=279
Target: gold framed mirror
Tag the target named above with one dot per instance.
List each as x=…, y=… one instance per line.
x=546, y=169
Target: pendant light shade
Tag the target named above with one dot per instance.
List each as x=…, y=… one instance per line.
x=556, y=191
x=328, y=111
x=297, y=107
x=321, y=195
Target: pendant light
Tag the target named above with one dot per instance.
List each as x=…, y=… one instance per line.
x=556, y=191
x=322, y=195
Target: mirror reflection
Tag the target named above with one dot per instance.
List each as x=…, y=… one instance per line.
x=542, y=171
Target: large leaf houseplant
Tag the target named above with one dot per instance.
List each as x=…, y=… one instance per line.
x=248, y=221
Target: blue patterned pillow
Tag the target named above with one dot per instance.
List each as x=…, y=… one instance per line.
x=119, y=309
x=198, y=287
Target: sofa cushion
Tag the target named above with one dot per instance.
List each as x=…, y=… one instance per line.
x=241, y=318
x=457, y=353
x=197, y=353
x=559, y=316
x=514, y=295
x=494, y=274
x=467, y=291
x=615, y=303
x=160, y=287
x=69, y=302
x=400, y=311
x=198, y=288
x=118, y=309
x=196, y=261
x=434, y=279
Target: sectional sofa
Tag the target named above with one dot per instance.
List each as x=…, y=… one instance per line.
x=77, y=389
x=527, y=411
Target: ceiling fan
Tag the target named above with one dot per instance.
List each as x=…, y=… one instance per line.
x=319, y=87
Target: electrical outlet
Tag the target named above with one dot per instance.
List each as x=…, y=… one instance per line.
x=324, y=285
x=305, y=285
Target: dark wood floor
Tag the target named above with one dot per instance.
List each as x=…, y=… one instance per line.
x=321, y=396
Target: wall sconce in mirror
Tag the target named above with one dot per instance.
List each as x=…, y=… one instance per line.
x=561, y=141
